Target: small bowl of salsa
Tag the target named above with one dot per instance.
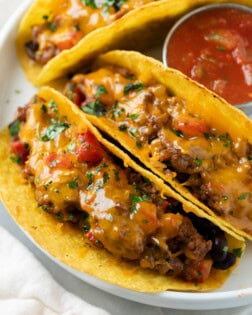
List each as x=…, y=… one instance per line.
x=213, y=45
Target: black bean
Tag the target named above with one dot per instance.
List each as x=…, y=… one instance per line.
x=219, y=247
x=31, y=49
x=228, y=262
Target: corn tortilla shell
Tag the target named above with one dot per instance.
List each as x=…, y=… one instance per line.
x=140, y=28
x=212, y=108
x=68, y=244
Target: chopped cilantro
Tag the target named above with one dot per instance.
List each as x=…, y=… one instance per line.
x=76, y=27
x=51, y=26
x=147, y=181
x=216, y=36
x=52, y=104
x=133, y=116
x=72, y=185
x=44, y=108
x=177, y=132
x=116, y=173
x=89, y=187
x=145, y=221
x=37, y=180
x=101, y=167
x=86, y=227
x=57, y=191
x=52, y=131
x=136, y=187
x=225, y=198
x=198, y=162
x=139, y=144
x=123, y=128
x=96, y=108
x=138, y=87
x=100, y=89
x=14, y=128
x=133, y=132
x=43, y=207
x=45, y=17
x=58, y=216
x=208, y=136
x=16, y=159
x=225, y=139
x=225, y=249
x=71, y=216
x=243, y=196
x=90, y=3
x=220, y=48
x=117, y=112
x=237, y=252
x=106, y=177
x=135, y=199
x=90, y=177
x=47, y=184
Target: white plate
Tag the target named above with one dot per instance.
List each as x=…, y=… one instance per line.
x=16, y=91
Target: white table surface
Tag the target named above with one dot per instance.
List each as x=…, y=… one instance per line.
x=114, y=305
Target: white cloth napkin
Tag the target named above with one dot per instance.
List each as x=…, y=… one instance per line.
x=27, y=288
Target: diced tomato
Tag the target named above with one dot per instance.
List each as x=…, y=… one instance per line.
x=68, y=41
x=21, y=150
x=58, y=160
x=88, y=149
x=94, y=240
x=190, y=126
x=199, y=272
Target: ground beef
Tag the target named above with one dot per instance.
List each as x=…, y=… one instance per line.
x=193, y=240
x=22, y=113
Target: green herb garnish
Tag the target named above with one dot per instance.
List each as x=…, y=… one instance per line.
x=73, y=185
x=16, y=159
x=243, y=196
x=237, y=252
x=135, y=199
x=198, y=162
x=116, y=172
x=14, y=128
x=52, y=131
x=90, y=3
x=90, y=177
x=96, y=108
x=177, y=132
x=220, y=48
x=100, y=89
x=123, y=128
x=138, y=87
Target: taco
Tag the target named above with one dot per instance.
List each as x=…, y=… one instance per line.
x=88, y=204
x=184, y=133
x=55, y=33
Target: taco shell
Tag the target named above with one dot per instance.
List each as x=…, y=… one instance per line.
x=64, y=242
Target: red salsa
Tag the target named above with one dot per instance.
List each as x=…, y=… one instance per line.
x=214, y=47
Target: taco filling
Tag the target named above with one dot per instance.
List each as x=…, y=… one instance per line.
x=76, y=18
x=77, y=180
x=213, y=166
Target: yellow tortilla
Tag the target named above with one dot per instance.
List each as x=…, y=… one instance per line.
x=139, y=28
x=67, y=243
x=213, y=109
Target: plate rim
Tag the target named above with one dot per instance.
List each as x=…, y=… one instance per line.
x=166, y=299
